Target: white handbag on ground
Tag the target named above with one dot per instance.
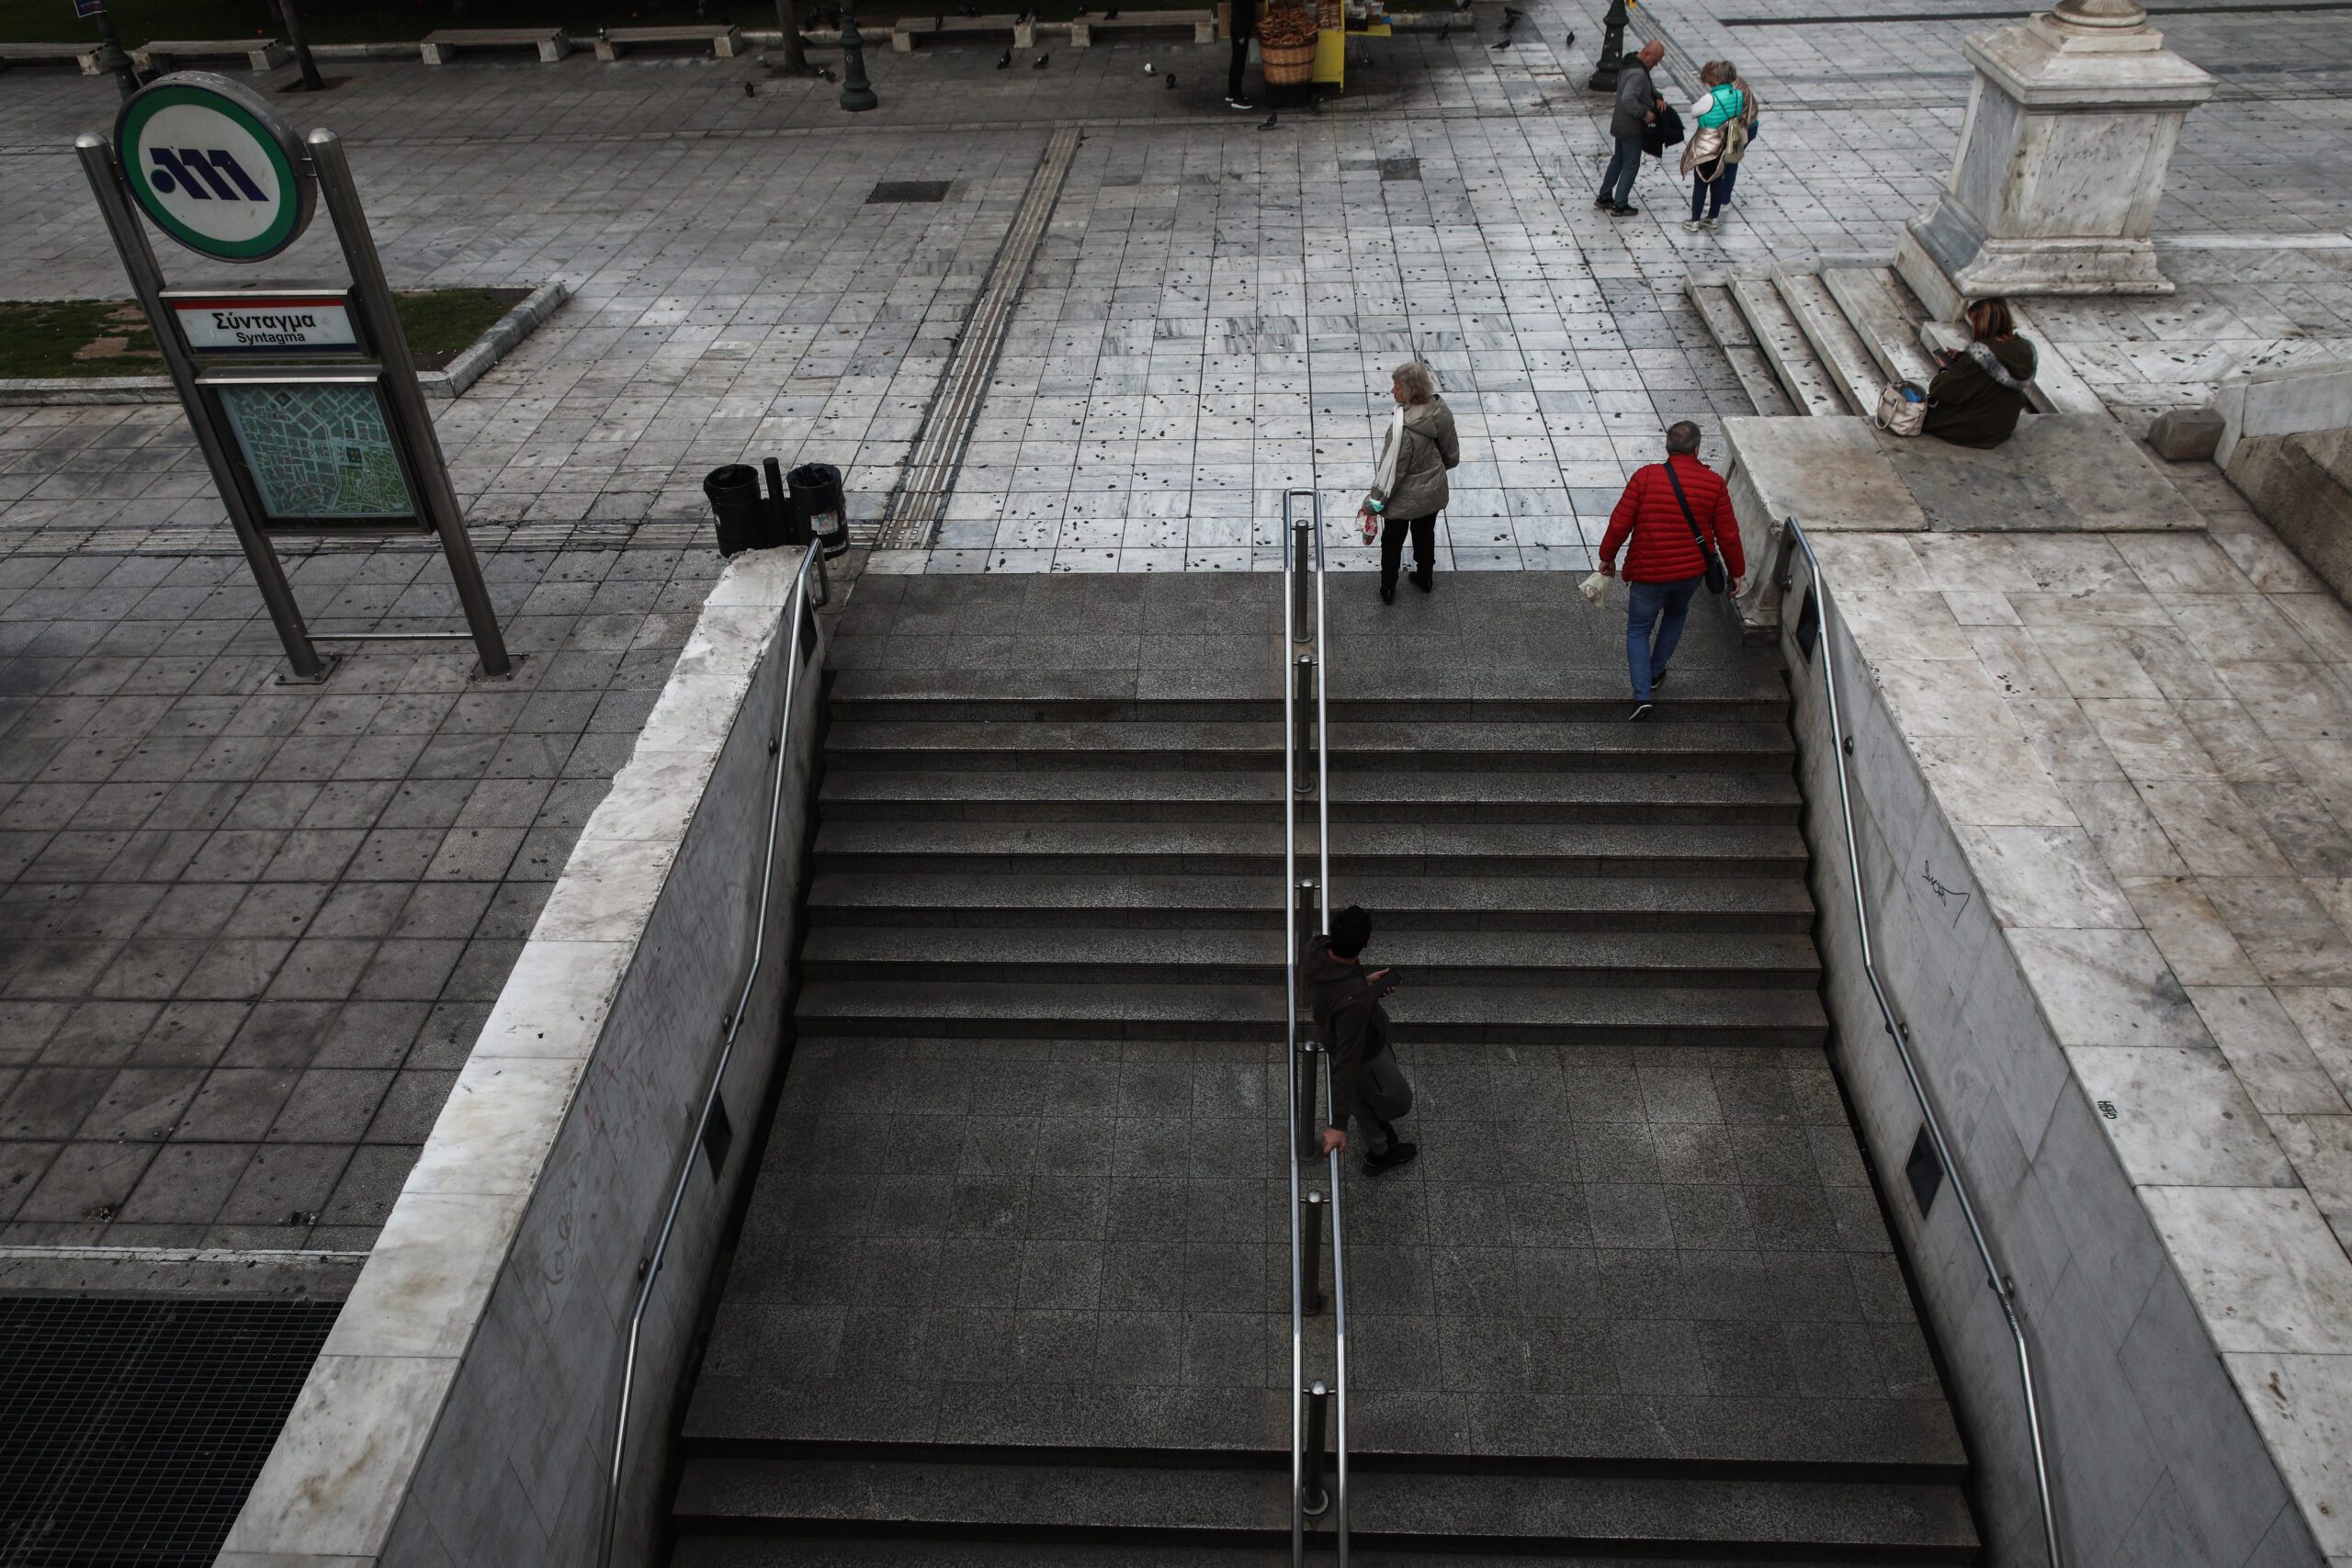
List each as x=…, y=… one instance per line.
x=1902, y=409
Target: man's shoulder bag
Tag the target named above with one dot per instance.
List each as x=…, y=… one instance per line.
x=1715, y=577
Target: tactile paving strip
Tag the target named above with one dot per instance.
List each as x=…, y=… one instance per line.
x=913, y=521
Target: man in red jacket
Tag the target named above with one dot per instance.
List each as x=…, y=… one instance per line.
x=1672, y=542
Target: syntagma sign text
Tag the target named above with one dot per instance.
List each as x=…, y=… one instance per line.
x=315, y=323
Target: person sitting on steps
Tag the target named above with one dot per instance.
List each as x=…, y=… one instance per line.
x=1976, y=397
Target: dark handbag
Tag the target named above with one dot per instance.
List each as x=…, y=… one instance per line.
x=1715, y=579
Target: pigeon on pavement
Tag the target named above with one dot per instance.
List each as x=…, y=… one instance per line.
x=1005, y=60
x=1039, y=63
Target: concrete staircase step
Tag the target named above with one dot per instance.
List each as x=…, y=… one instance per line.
x=1595, y=1015
x=1565, y=849
x=1884, y=316
x=1779, y=905
x=1112, y=696
x=1140, y=954
x=1169, y=747
x=1852, y=372
x=1810, y=386
x=838, y=1551
x=1101, y=795
x=1120, y=1506
x=1712, y=296
x=2057, y=386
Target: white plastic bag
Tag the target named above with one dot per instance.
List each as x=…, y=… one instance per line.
x=1595, y=587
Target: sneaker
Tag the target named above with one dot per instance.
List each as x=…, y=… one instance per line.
x=1658, y=680
x=1710, y=221
x=1239, y=103
x=1624, y=211
x=1694, y=225
x=1397, y=1154
x=1641, y=710
x=1603, y=202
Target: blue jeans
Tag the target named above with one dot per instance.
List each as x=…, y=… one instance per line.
x=1617, y=180
x=1645, y=603
x=1717, y=191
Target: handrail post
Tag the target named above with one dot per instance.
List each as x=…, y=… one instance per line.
x=1311, y=1233
x=1302, y=544
x=1310, y=1127
x=1316, y=1493
x=1305, y=783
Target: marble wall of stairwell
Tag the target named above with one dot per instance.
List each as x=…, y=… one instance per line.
x=462, y=1411
x=2104, y=806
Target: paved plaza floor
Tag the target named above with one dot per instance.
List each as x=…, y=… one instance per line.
x=244, y=921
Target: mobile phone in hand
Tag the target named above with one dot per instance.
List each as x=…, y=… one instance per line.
x=1386, y=982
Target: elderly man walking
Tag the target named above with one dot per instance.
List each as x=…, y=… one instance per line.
x=1637, y=106
x=1676, y=517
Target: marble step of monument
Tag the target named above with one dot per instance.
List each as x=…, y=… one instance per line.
x=1101, y=795
x=1884, y=314
x=986, y=956
x=1777, y=334
x=1775, y=905
x=1712, y=295
x=1558, y=849
x=1399, y=747
x=1593, y=1015
x=1852, y=372
x=1116, y=1507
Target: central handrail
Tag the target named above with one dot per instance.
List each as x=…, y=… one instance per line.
x=2003, y=1288
x=1306, y=681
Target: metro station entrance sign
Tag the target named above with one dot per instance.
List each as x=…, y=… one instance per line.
x=303, y=397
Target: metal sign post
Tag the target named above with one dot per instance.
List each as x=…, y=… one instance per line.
x=334, y=436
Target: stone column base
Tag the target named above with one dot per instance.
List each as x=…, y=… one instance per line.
x=1974, y=263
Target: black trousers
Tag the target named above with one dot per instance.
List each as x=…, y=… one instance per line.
x=1392, y=545
x=1240, y=62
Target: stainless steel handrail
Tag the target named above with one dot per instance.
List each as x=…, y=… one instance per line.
x=796, y=607
x=1300, y=627
x=2004, y=1290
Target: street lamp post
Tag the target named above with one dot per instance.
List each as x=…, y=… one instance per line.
x=857, y=92
x=125, y=75
x=1612, y=48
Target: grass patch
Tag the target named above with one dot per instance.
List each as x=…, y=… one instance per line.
x=110, y=337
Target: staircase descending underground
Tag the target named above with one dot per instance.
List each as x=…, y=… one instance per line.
x=1012, y=1288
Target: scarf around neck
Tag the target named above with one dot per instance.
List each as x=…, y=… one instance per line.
x=1384, y=481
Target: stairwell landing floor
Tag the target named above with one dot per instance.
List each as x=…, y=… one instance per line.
x=1624, y=1253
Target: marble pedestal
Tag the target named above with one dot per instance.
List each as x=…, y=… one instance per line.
x=2061, y=163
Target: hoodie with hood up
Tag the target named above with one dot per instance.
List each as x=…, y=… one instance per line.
x=1349, y=1020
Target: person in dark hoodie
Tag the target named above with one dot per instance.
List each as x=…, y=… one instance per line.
x=1976, y=397
x=1366, y=1083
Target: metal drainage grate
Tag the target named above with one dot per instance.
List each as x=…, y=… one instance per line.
x=909, y=190
x=1401, y=168
x=131, y=1429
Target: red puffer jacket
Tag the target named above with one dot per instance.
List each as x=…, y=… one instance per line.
x=1663, y=549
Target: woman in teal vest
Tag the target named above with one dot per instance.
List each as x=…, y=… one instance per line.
x=1721, y=121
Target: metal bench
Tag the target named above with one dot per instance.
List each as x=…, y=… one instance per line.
x=261, y=53
x=440, y=48
x=88, y=56
x=724, y=41
x=1202, y=23
x=904, y=32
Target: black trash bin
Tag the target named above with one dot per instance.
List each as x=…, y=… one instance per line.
x=817, y=502
x=744, y=516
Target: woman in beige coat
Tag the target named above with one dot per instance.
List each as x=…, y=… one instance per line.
x=1409, y=491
